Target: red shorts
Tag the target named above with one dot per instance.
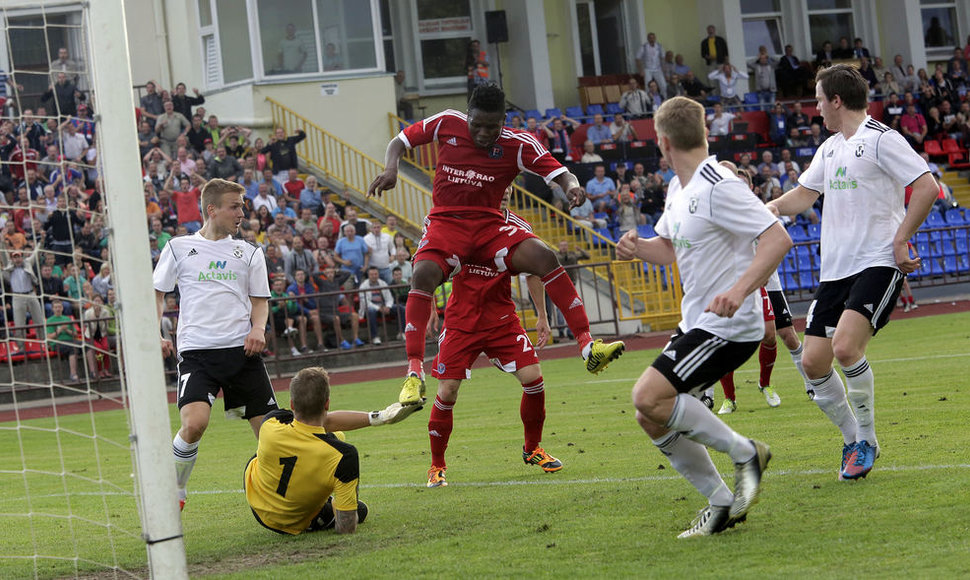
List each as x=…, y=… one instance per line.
x=769, y=312
x=508, y=347
x=464, y=237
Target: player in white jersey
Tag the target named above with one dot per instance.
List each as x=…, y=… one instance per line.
x=862, y=171
x=708, y=226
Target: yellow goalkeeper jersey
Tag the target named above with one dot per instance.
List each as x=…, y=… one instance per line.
x=297, y=467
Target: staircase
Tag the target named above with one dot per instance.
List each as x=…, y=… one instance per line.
x=961, y=186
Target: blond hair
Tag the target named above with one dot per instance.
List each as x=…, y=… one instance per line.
x=681, y=120
x=213, y=191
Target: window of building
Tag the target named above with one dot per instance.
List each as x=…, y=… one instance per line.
x=830, y=20
x=288, y=37
x=762, y=24
x=939, y=24
x=234, y=44
x=444, y=32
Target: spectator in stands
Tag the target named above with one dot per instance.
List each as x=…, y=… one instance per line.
x=879, y=69
x=778, y=124
x=719, y=122
x=151, y=103
x=249, y=182
x=169, y=126
x=744, y=164
x=600, y=190
x=792, y=73
x=286, y=212
x=816, y=138
x=264, y=199
x=668, y=65
x=274, y=187
x=620, y=175
x=533, y=128
x=650, y=62
x=224, y=166
x=282, y=151
x=589, y=153
x=844, y=50
x=694, y=88
x=652, y=203
x=798, y=119
x=186, y=200
x=74, y=145
x=558, y=135
x=234, y=146
x=825, y=56
x=942, y=88
x=299, y=258
x=639, y=174
x=766, y=179
x=786, y=159
x=381, y=250
x=867, y=73
x=621, y=130
x=284, y=314
x=888, y=85
x=302, y=289
x=635, y=101
x=183, y=103
x=714, y=49
x=401, y=263
x=330, y=216
x=583, y=214
x=664, y=171
x=476, y=66
x=680, y=69
x=62, y=336
x=958, y=78
x=768, y=162
x=375, y=301
x=934, y=124
x=675, y=88
x=292, y=188
x=859, y=51
x=351, y=252
x=955, y=61
x=727, y=77
x=324, y=253
x=390, y=227
x=627, y=215
x=361, y=226
x=909, y=82
x=311, y=197
x=763, y=68
x=197, y=134
x=892, y=109
x=898, y=68
x=598, y=132
x=655, y=95
x=330, y=283
x=913, y=127
x=95, y=320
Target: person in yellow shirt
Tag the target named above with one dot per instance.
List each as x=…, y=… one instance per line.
x=304, y=475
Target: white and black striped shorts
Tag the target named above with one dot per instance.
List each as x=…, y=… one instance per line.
x=695, y=360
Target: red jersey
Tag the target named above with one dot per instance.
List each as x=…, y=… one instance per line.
x=187, y=205
x=21, y=160
x=468, y=176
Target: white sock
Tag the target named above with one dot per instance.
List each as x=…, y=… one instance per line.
x=830, y=398
x=692, y=460
x=185, y=454
x=586, y=350
x=692, y=418
x=709, y=392
x=859, y=380
x=796, y=357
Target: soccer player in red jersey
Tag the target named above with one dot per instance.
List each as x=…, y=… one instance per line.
x=481, y=317
x=477, y=160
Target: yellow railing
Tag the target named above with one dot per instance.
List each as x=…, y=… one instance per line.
x=352, y=168
x=651, y=294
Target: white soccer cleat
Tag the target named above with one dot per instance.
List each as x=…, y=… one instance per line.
x=771, y=396
x=747, y=479
x=709, y=521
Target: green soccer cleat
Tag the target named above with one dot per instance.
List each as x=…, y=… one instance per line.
x=412, y=392
x=727, y=407
x=601, y=354
x=539, y=457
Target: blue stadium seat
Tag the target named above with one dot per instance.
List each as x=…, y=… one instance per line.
x=575, y=113
x=805, y=281
x=605, y=232
x=935, y=220
x=960, y=245
x=797, y=233
x=613, y=108
x=749, y=100
x=628, y=164
x=936, y=250
x=804, y=265
x=646, y=231
x=963, y=263
x=923, y=249
x=533, y=113
x=936, y=268
x=814, y=231
x=950, y=265
x=954, y=217
x=594, y=110
x=790, y=283
x=553, y=113
x=510, y=114
x=922, y=237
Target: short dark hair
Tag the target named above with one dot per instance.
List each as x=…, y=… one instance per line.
x=309, y=392
x=847, y=82
x=489, y=98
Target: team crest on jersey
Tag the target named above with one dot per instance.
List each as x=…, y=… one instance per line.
x=496, y=152
x=692, y=208
x=441, y=368
x=860, y=151
x=237, y=252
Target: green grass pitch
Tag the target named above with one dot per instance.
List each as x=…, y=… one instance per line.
x=613, y=511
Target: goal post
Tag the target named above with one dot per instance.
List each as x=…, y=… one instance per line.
x=121, y=170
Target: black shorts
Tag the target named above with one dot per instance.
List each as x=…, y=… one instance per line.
x=780, y=305
x=872, y=293
x=243, y=380
x=696, y=360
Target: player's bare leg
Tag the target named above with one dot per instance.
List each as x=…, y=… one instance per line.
x=426, y=276
x=534, y=257
x=185, y=446
x=440, y=423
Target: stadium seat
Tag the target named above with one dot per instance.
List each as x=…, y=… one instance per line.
x=933, y=148
x=960, y=245
x=553, y=113
x=954, y=217
x=923, y=248
x=790, y=283
x=963, y=263
x=936, y=268
x=575, y=113
x=613, y=108
x=533, y=113
x=646, y=231
x=951, y=146
x=797, y=233
x=35, y=350
x=805, y=281
x=936, y=249
x=935, y=220
x=804, y=265
x=594, y=110
x=750, y=101
x=950, y=265
x=605, y=232
x=510, y=114
x=814, y=231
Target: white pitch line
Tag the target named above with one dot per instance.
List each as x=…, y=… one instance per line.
x=747, y=371
x=552, y=480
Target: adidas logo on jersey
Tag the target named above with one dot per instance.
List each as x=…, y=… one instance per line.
x=434, y=433
x=410, y=328
x=192, y=252
x=868, y=307
x=577, y=303
x=452, y=141
x=272, y=401
x=672, y=355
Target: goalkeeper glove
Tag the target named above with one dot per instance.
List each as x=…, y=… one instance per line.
x=393, y=413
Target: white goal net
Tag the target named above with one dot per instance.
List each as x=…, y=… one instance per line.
x=86, y=477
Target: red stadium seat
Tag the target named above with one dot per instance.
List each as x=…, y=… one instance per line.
x=933, y=148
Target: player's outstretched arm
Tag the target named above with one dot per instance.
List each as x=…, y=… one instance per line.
x=925, y=192
x=773, y=244
x=794, y=202
x=570, y=185
x=351, y=420
x=388, y=178
x=656, y=250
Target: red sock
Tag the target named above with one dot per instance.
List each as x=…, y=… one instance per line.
x=766, y=356
x=727, y=383
x=417, y=312
x=439, y=430
x=563, y=294
x=532, y=409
